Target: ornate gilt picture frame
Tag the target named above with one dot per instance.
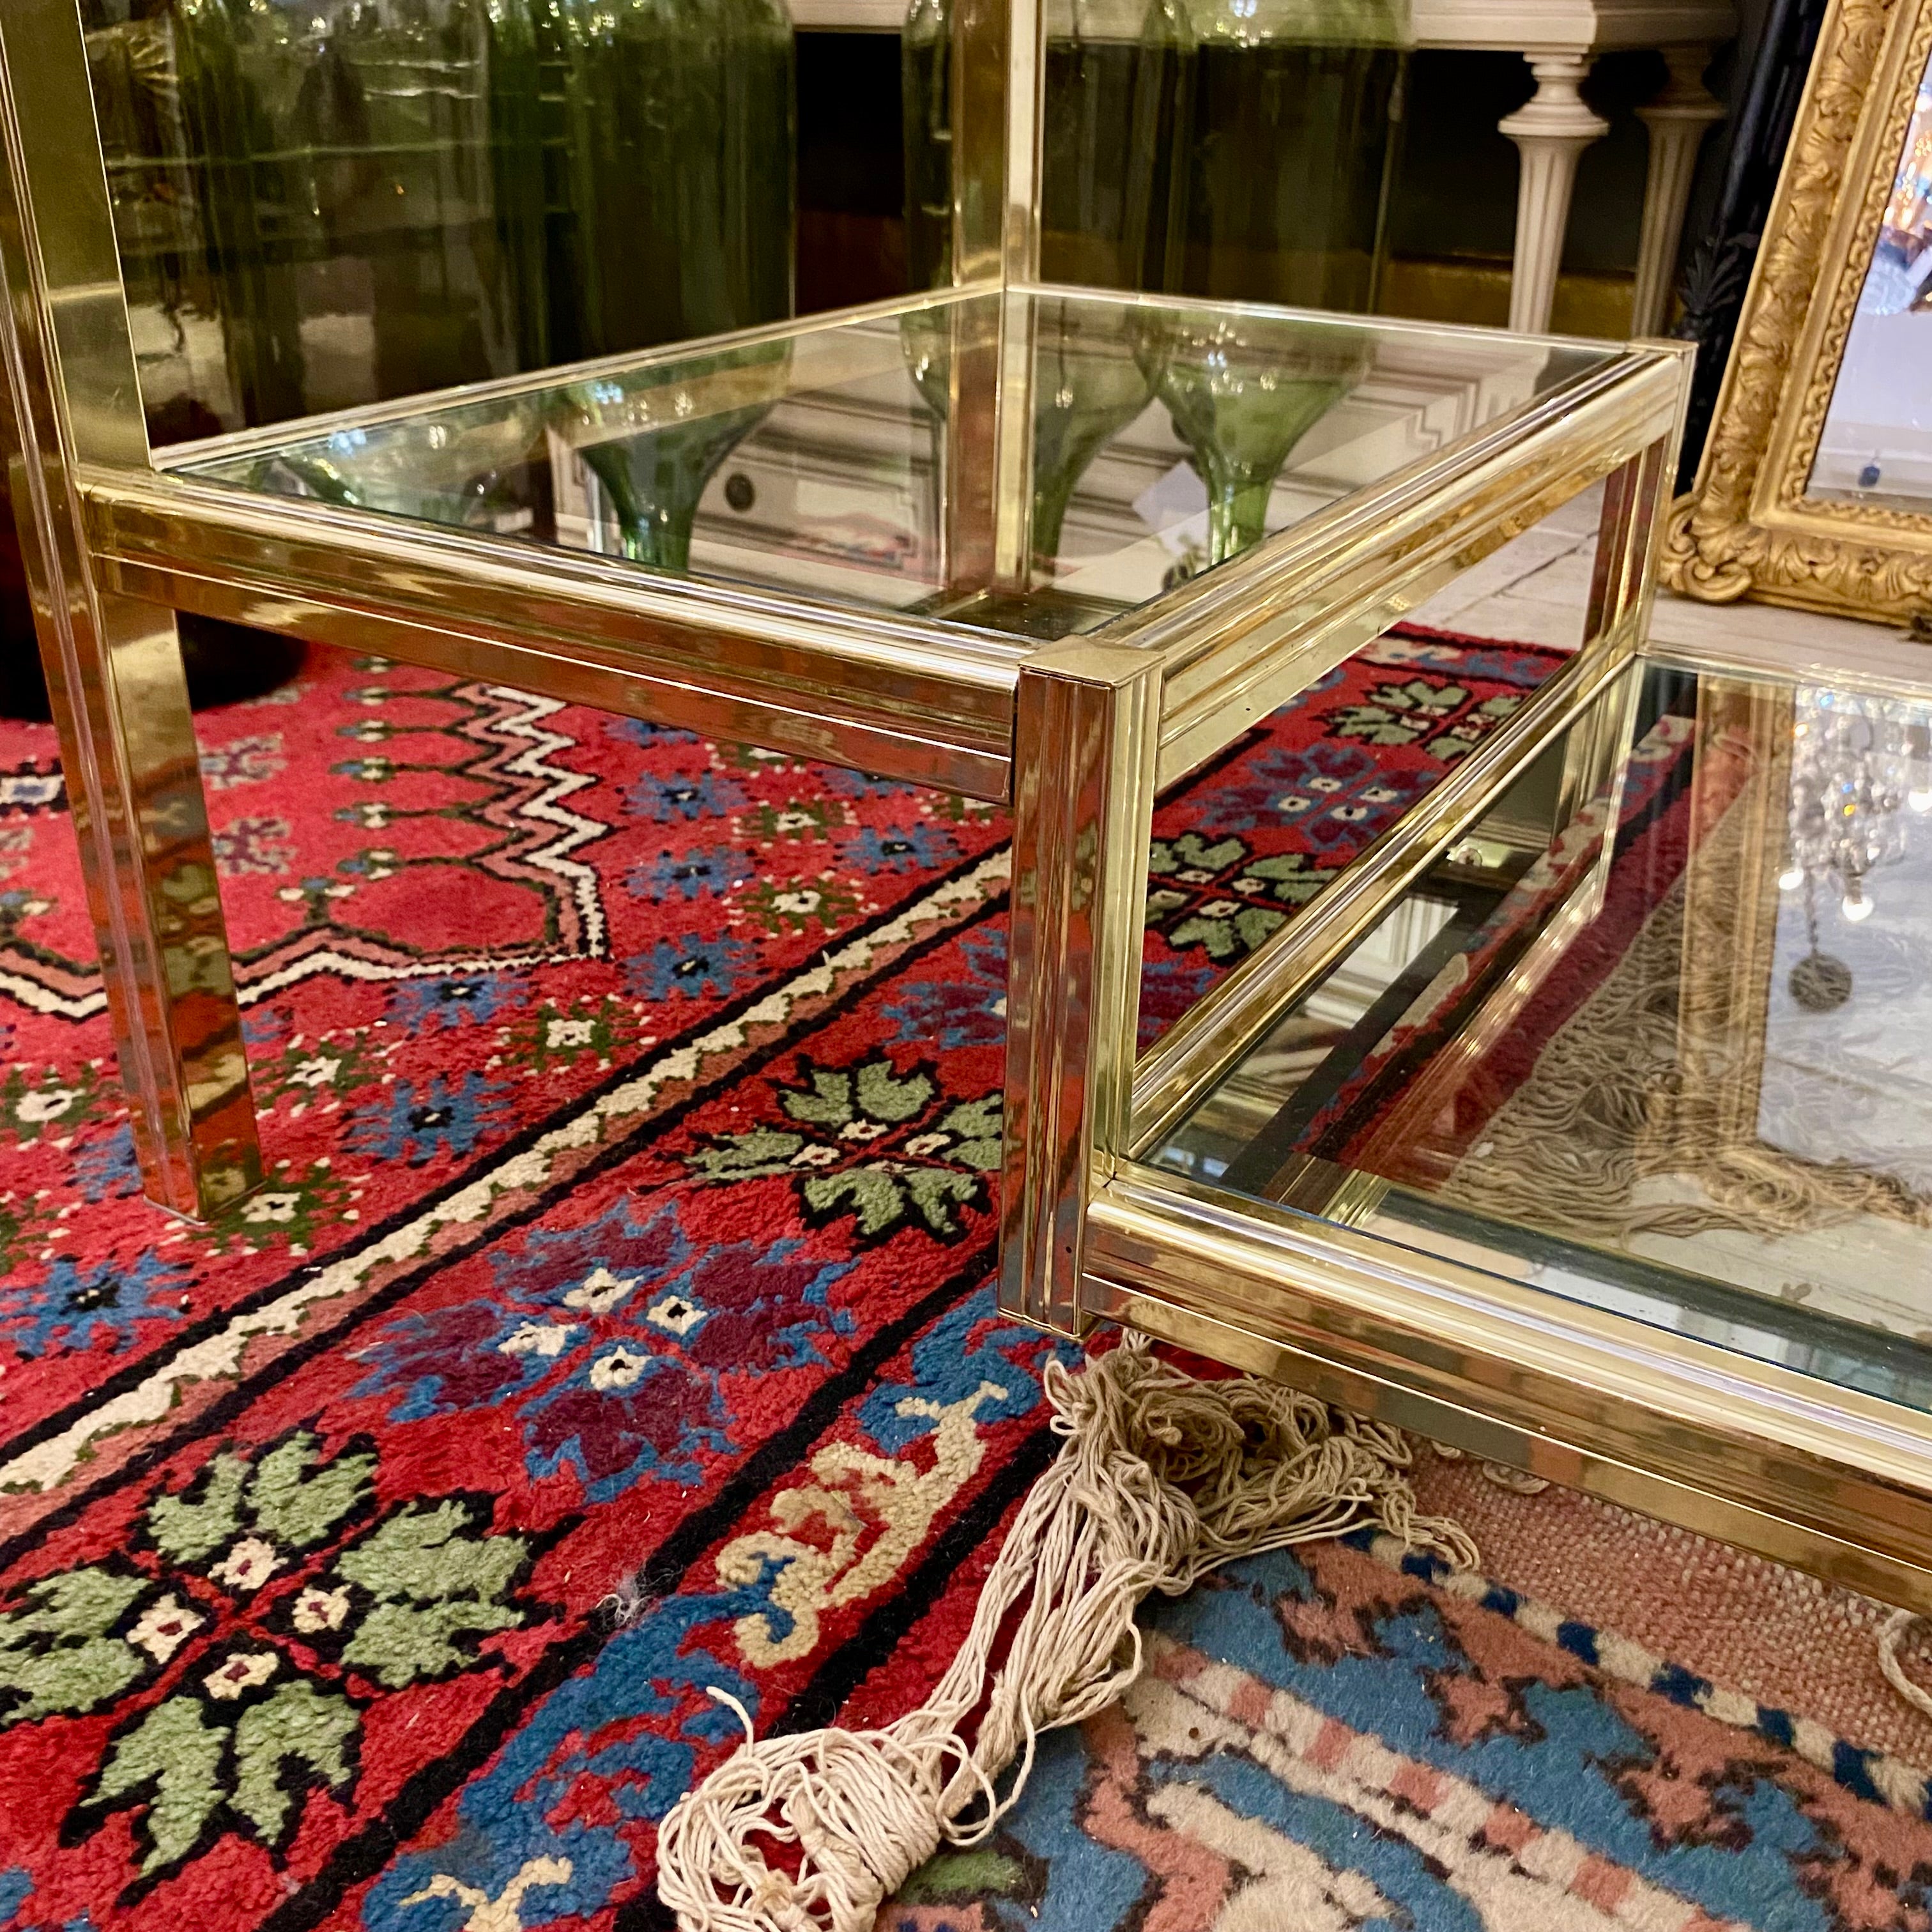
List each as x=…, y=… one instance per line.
x=1753, y=526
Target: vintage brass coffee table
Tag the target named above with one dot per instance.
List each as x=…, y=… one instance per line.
x=958, y=542
x=890, y=595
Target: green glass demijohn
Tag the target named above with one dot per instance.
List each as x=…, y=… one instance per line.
x=1114, y=101
x=654, y=444
x=368, y=191
x=1243, y=391
x=1293, y=123
x=1117, y=79
x=1116, y=88
x=679, y=116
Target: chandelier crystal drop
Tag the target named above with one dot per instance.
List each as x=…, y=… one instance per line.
x=1857, y=762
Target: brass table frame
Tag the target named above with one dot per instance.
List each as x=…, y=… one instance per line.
x=116, y=543
x=1078, y=737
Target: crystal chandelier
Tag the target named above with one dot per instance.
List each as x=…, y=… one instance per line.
x=1856, y=760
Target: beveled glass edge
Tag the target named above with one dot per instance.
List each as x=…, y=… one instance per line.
x=1835, y=1481
x=1532, y=438
x=198, y=450
x=1715, y=661
x=168, y=497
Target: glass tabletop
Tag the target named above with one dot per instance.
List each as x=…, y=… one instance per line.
x=837, y=460
x=1659, y=1043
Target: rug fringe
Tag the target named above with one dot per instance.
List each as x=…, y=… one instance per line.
x=1161, y=1478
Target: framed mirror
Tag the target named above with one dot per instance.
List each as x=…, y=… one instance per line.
x=1816, y=488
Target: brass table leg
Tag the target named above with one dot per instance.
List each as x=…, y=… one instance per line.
x=1084, y=741
x=113, y=665
x=134, y=792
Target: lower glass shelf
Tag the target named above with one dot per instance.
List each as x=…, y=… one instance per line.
x=1673, y=1059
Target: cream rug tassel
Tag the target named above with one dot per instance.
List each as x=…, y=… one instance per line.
x=1161, y=1477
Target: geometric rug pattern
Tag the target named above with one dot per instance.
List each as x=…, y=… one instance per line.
x=631, y=1108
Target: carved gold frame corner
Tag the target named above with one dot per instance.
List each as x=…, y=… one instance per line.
x=1748, y=528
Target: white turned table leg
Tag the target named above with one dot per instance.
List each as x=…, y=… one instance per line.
x=1550, y=131
x=1677, y=119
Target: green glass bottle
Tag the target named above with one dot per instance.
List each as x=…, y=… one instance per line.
x=406, y=116
x=680, y=115
x=233, y=67
x=680, y=118
x=469, y=471
x=653, y=445
x=925, y=112
x=1295, y=119
x=563, y=261
x=361, y=177
x=1117, y=92
x=1243, y=391
x=1118, y=82
x=1094, y=371
x=1092, y=377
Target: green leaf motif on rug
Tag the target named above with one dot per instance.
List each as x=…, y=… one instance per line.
x=1292, y=877
x=433, y=1574
x=882, y=1197
x=872, y=1142
x=975, y=1127
x=874, y=1093
x=268, y=1610
x=1192, y=857
x=173, y=1758
x=301, y=1726
x=291, y=1501
x=1225, y=935
x=1200, y=902
x=296, y=1502
x=190, y=1764
x=1399, y=714
x=1466, y=736
x=58, y=1655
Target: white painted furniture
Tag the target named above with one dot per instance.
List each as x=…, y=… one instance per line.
x=1561, y=39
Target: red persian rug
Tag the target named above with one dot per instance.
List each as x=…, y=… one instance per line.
x=632, y=1109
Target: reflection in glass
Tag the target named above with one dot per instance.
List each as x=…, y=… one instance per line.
x=672, y=437
x=680, y=116
x=335, y=202
x=354, y=200
x=473, y=473
x=1117, y=76
x=846, y=468
x=1115, y=90
x=1243, y=393
x=1876, y=446
x=926, y=81
x=1093, y=374
x=1666, y=1072
x=1854, y=767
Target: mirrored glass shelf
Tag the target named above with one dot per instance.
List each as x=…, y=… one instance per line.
x=1668, y=1058
x=838, y=460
